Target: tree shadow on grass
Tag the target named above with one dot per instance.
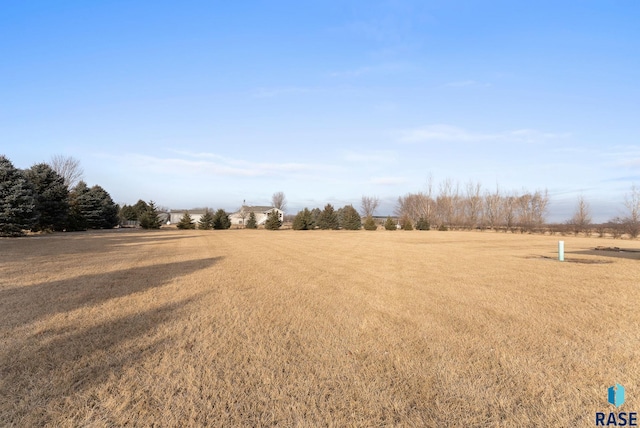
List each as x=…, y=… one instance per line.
x=44, y=377
x=95, y=241
x=26, y=304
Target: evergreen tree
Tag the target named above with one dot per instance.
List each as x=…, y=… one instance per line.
x=77, y=203
x=370, y=224
x=133, y=212
x=350, y=218
x=273, y=221
x=149, y=218
x=389, y=224
x=340, y=215
x=252, y=223
x=17, y=201
x=328, y=219
x=140, y=208
x=128, y=213
x=315, y=215
x=51, y=195
x=206, y=221
x=99, y=211
x=186, y=222
x=303, y=220
x=221, y=220
x=422, y=224
x=406, y=223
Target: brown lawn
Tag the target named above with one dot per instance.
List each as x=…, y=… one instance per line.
x=315, y=328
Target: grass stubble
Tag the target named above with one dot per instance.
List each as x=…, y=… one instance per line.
x=260, y=328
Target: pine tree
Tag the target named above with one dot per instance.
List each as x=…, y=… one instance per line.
x=17, y=201
x=303, y=220
x=273, y=221
x=206, y=221
x=328, y=219
x=252, y=223
x=100, y=210
x=127, y=213
x=422, y=224
x=221, y=220
x=339, y=215
x=77, y=201
x=406, y=223
x=389, y=224
x=350, y=218
x=51, y=195
x=140, y=208
x=370, y=224
x=186, y=222
x=315, y=215
x=149, y=218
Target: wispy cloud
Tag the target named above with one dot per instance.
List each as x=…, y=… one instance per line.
x=448, y=133
x=630, y=162
x=372, y=156
x=186, y=164
x=388, y=181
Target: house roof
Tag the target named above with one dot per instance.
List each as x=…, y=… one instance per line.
x=197, y=211
x=255, y=209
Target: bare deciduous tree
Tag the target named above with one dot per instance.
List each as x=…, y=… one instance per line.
x=414, y=206
x=525, y=211
x=509, y=205
x=279, y=201
x=493, y=208
x=631, y=222
x=581, y=219
x=473, y=205
x=369, y=205
x=68, y=168
x=540, y=205
x=444, y=203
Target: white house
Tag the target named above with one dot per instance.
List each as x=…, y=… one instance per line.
x=176, y=215
x=240, y=217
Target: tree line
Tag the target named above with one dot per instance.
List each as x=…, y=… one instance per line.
x=469, y=207
x=51, y=197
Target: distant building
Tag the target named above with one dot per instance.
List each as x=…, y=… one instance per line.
x=196, y=215
x=241, y=217
x=162, y=216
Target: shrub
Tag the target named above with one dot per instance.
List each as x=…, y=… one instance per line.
x=149, y=219
x=221, y=220
x=273, y=221
x=328, y=219
x=422, y=224
x=389, y=224
x=186, y=222
x=206, y=221
x=406, y=223
x=350, y=218
x=370, y=224
x=252, y=223
x=443, y=228
x=303, y=220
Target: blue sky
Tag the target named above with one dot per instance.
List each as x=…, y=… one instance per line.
x=209, y=103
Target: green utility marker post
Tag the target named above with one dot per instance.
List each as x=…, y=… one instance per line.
x=561, y=251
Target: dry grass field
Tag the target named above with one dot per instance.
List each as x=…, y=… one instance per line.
x=315, y=328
